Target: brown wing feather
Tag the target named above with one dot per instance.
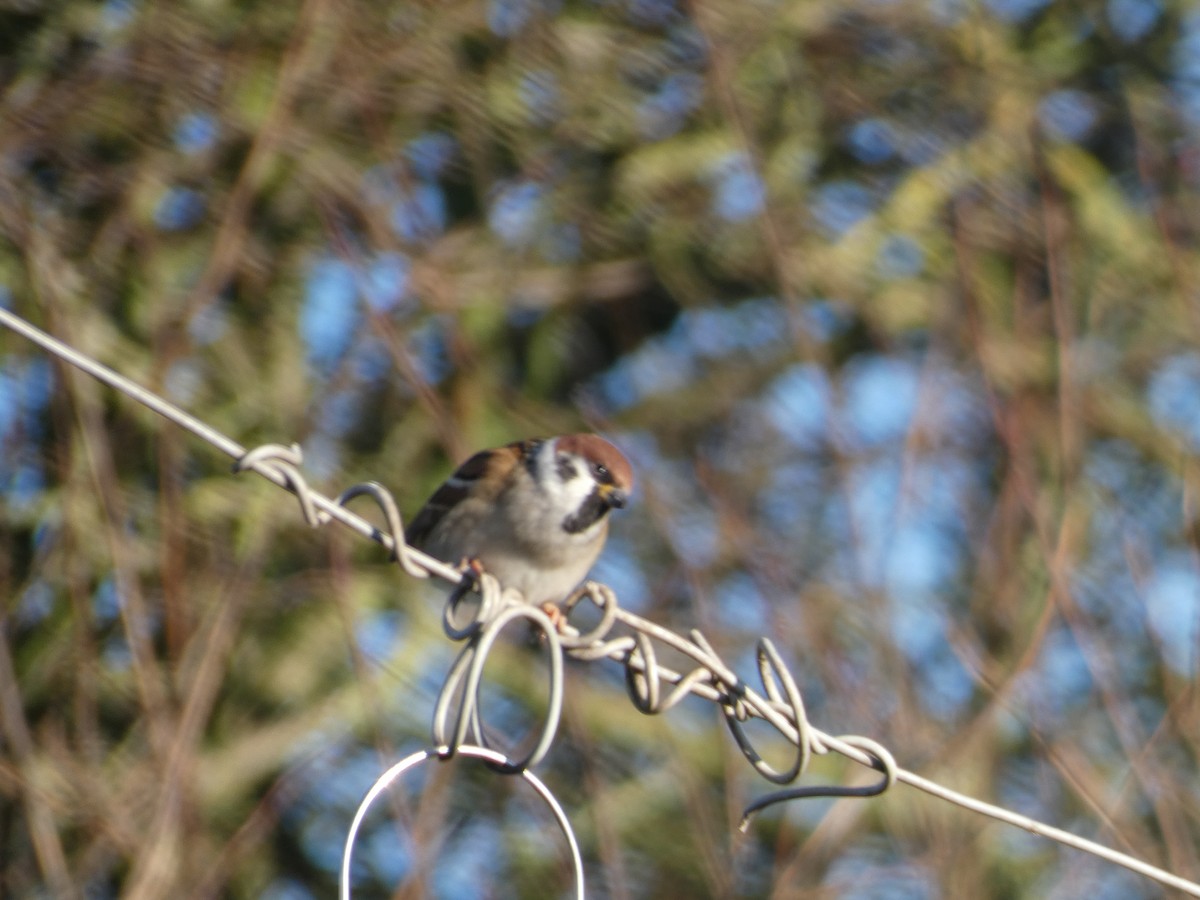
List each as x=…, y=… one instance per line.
x=495, y=464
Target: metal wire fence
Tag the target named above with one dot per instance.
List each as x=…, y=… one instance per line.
x=478, y=609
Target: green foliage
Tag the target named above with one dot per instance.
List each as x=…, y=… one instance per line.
x=893, y=304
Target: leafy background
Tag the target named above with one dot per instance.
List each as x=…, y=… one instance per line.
x=893, y=303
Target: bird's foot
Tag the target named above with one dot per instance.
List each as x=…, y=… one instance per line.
x=557, y=616
x=471, y=568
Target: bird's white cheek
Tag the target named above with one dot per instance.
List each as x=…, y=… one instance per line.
x=573, y=493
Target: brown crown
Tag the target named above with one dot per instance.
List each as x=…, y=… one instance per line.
x=594, y=448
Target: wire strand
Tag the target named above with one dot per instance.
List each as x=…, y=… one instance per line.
x=711, y=679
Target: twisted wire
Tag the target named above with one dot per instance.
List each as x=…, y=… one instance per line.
x=653, y=688
x=498, y=609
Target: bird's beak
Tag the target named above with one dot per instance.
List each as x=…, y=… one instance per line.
x=614, y=497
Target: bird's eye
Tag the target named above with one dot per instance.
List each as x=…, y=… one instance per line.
x=601, y=472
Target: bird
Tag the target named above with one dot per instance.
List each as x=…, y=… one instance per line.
x=533, y=513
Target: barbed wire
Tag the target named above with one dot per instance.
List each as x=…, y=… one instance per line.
x=652, y=687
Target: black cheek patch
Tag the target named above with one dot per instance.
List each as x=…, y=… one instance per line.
x=589, y=513
x=565, y=468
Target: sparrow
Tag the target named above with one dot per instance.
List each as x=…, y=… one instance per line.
x=532, y=513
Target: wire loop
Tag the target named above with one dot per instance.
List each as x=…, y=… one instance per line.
x=880, y=759
x=400, y=550
x=463, y=682
x=772, y=670
x=285, y=462
x=641, y=676
x=459, y=620
x=605, y=600
x=497, y=761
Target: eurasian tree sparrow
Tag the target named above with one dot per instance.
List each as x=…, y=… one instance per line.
x=533, y=513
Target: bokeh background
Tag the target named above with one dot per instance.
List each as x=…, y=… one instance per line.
x=895, y=304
